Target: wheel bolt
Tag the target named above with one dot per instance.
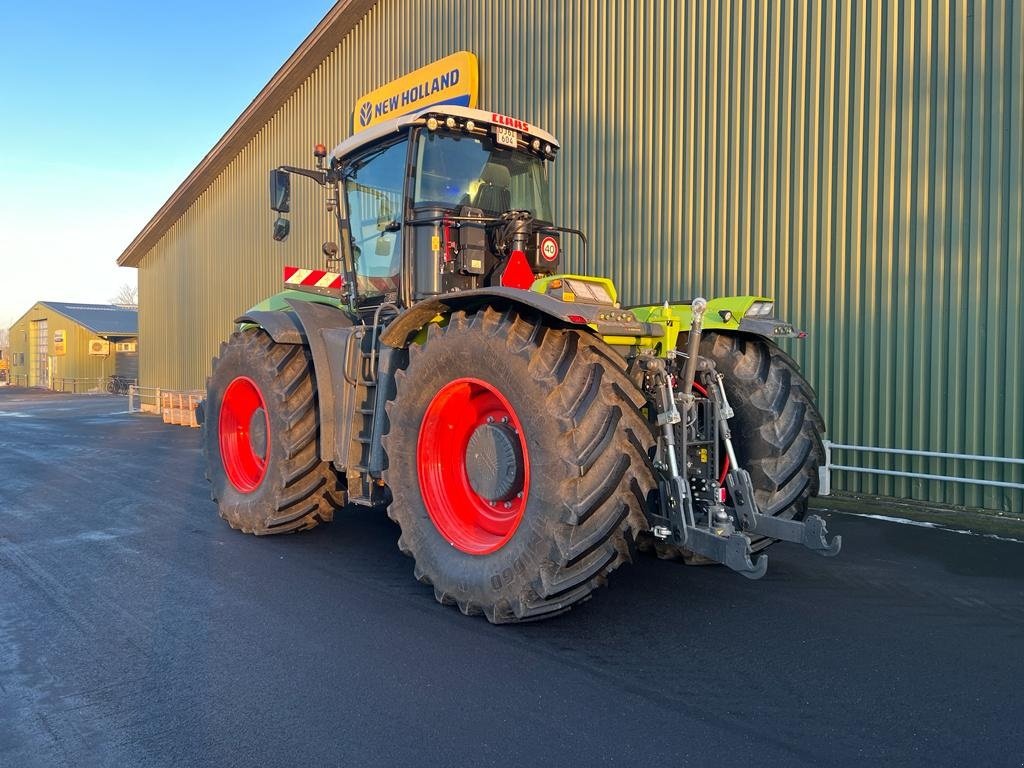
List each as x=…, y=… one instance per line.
x=490, y=419
x=508, y=505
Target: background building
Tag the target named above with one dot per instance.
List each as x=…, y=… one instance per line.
x=861, y=162
x=56, y=344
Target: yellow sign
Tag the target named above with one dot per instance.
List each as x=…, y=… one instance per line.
x=60, y=346
x=451, y=80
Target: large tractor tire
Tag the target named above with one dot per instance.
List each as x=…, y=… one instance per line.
x=260, y=438
x=518, y=464
x=777, y=430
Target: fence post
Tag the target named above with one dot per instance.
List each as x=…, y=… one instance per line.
x=825, y=471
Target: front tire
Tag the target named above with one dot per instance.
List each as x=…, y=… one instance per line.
x=518, y=464
x=778, y=429
x=260, y=438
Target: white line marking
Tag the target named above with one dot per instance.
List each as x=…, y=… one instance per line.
x=925, y=524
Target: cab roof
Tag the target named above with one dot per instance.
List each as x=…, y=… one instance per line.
x=479, y=116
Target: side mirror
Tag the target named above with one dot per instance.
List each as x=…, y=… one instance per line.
x=280, y=191
x=281, y=228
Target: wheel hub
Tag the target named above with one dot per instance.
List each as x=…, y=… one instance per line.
x=494, y=462
x=258, y=433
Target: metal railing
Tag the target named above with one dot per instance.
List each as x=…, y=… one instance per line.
x=78, y=385
x=175, y=406
x=825, y=471
x=143, y=399
x=94, y=385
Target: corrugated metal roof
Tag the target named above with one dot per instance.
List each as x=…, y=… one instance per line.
x=99, y=318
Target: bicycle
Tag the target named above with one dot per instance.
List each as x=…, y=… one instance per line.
x=117, y=385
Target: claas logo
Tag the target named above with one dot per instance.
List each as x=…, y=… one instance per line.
x=510, y=122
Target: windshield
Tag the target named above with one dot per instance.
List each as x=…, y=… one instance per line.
x=458, y=170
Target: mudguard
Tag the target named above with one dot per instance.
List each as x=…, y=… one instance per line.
x=725, y=313
x=326, y=330
x=283, y=327
x=406, y=325
x=329, y=332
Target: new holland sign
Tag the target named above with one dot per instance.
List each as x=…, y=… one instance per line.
x=451, y=80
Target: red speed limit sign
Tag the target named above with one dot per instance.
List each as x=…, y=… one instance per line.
x=549, y=248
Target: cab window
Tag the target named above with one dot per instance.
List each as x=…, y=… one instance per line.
x=455, y=170
x=374, y=191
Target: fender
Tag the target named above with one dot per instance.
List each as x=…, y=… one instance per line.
x=284, y=327
x=276, y=316
x=401, y=330
x=325, y=330
x=724, y=313
x=328, y=334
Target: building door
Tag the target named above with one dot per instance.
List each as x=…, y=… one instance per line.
x=39, y=354
x=126, y=362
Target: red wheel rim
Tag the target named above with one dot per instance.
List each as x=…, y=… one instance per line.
x=467, y=520
x=244, y=464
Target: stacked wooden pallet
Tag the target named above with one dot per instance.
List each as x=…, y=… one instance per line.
x=180, y=407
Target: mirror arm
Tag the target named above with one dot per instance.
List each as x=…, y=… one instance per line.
x=320, y=177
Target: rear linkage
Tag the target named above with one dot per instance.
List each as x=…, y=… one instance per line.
x=703, y=523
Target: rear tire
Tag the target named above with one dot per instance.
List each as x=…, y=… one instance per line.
x=777, y=430
x=260, y=438
x=575, y=448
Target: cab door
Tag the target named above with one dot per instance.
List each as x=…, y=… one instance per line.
x=375, y=193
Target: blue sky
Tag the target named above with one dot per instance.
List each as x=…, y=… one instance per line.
x=104, y=109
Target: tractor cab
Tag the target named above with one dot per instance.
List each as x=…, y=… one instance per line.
x=445, y=199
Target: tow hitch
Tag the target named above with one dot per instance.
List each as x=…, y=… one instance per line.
x=714, y=530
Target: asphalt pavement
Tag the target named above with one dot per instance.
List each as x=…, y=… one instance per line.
x=137, y=629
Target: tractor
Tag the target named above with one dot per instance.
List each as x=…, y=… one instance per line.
x=527, y=432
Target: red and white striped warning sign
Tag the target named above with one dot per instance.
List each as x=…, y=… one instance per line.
x=313, y=278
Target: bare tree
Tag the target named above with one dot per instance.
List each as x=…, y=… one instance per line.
x=127, y=296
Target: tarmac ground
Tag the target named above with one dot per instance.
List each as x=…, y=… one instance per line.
x=137, y=629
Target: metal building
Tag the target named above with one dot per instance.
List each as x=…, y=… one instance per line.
x=73, y=347
x=860, y=161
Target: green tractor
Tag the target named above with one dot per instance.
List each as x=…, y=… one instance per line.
x=526, y=431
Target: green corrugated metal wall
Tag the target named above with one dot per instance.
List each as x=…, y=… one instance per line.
x=859, y=161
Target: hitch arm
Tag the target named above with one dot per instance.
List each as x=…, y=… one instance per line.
x=811, y=531
x=732, y=550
